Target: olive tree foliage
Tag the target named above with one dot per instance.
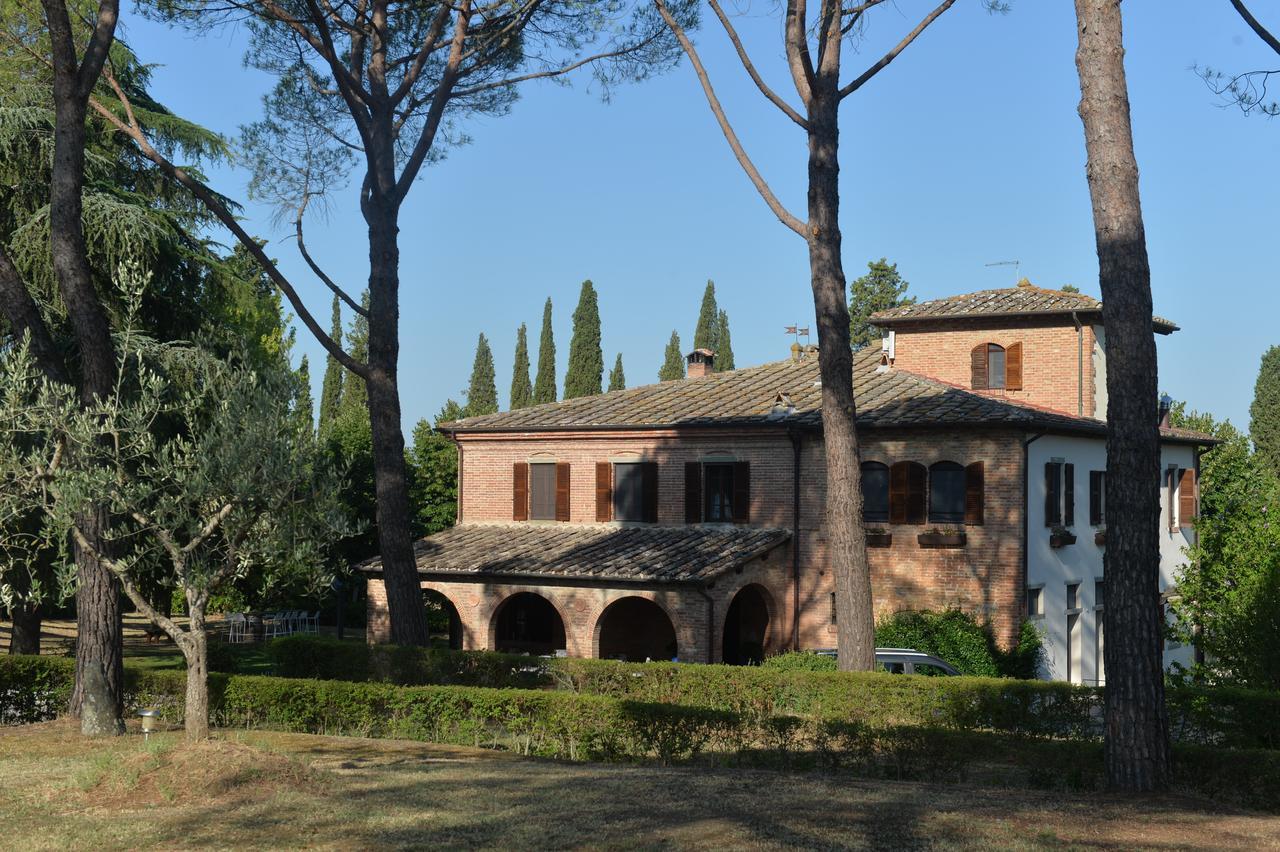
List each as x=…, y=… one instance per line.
x=388, y=84
x=166, y=454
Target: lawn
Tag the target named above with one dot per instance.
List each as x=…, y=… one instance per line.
x=250, y=790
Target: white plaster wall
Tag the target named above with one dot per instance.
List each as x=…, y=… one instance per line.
x=1099, y=372
x=1053, y=568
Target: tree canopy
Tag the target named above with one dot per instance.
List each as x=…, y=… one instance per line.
x=544, y=387
x=482, y=392
x=672, y=360
x=586, y=358
x=881, y=288
x=617, y=378
x=521, y=389
x=1264, y=413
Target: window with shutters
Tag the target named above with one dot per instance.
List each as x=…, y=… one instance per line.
x=875, y=493
x=1097, y=498
x=946, y=493
x=542, y=492
x=1059, y=494
x=718, y=493
x=628, y=492
x=1035, y=602
x=1187, y=503
x=996, y=367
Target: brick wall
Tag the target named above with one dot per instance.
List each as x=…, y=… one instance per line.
x=1050, y=357
x=984, y=577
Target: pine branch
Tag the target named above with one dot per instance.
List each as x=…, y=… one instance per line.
x=884, y=61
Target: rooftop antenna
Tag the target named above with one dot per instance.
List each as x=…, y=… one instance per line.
x=1016, y=264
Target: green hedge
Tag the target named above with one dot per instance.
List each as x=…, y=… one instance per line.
x=575, y=726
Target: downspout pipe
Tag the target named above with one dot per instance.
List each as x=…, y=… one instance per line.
x=1079, y=364
x=795, y=537
x=1026, y=509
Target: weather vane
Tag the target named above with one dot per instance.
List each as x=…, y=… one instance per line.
x=797, y=331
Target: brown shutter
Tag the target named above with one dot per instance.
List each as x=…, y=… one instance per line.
x=604, y=491
x=898, y=493
x=1171, y=480
x=978, y=367
x=1052, y=505
x=520, y=492
x=973, y=494
x=1096, y=484
x=1187, y=497
x=916, y=493
x=1069, y=495
x=649, y=485
x=1013, y=367
x=741, y=492
x=562, y=491
x=692, y=492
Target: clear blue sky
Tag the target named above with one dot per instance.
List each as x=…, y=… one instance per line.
x=965, y=151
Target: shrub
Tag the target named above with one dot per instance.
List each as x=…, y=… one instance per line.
x=800, y=661
x=959, y=639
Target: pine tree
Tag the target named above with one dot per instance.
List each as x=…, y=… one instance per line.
x=724, y=355
x=707, y=334
x=586, y=359
x=331, y=392
x=482, y=393
x=673, y=361
x=303, y=404
x=1264, y=413
x=355, y=396
x=544, y=387
x=521, y=389
x=617, y=378
x=880, y=289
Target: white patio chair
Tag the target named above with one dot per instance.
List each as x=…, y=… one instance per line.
x=237, y=628
x=312, y=622
x=274, y=624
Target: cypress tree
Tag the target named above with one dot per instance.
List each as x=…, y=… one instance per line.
x=617, y=378
x=1264, y=413
x=673, y=361
x=706, y=335
x=331, y=392
x=544, y=387
x=586, y=359
x=724, y=355
x=355, y=396
x=303, y=405
x=482, y=393
x=883, y=287
x=521, y=389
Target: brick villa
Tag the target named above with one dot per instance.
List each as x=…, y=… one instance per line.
x=685, y=519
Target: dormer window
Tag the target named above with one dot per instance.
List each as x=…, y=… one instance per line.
x=996, y=367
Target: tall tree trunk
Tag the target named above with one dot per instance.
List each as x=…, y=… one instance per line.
x=195, y=649
x=395, y=534
x=846, y=537
x=25, y=638
x=1137, y=723
x=98, y=624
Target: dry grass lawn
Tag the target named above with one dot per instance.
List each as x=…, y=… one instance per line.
x=260, y=790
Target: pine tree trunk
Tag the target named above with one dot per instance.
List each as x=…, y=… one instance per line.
x=855, y=628
x=395, y=533
x=196, y=652
x=1137, y=724
x=99, y=631
x=25, y=638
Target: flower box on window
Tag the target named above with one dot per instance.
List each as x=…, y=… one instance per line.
x=943, y=538
x=1061, y=537
x=879, y=538
x=1100, y=537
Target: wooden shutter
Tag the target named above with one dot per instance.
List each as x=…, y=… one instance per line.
x=1096, y=484
x=917, y=494
x=898, y=493
x=693, y=492
x=973, y=493
x=741, y=492
x=1052, y=503
x=562, y=491
x=1068, y=495
x=604, y=491
x=1171, y=482
x=1187, y=497
x=1013, y=367
x=520, y=492
x=649, y=475
x=978, y=367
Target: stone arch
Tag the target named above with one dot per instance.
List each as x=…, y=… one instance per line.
x=635, y=629
x=748, y=626
x=442, y=617
x=527, y=622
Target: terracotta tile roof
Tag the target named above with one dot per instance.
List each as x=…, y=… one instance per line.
x=641, y=554
x=1023, y=300
x=751, y=397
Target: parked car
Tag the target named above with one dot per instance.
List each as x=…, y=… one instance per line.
x=906, y=661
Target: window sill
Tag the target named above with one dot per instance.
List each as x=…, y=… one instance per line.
x=942, y=539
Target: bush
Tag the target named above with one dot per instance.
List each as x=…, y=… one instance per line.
x=800, y=661
x=958, y=638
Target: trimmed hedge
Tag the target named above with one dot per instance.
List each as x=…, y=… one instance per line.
x=574, y=726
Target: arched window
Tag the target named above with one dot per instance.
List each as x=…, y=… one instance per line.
x=993, y=367
x=875, y=493
x=946, y=493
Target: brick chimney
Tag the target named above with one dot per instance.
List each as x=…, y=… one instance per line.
x=700, y=362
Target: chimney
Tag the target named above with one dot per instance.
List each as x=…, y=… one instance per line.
x=800, y=353
x=1166, y=406
x=700, y=362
